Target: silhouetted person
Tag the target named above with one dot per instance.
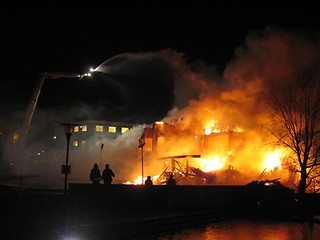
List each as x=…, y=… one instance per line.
x=107, y=175
x=148, y=182
x=171, y=181
x=95, y=175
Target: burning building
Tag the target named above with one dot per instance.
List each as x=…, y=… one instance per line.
x=200, y=155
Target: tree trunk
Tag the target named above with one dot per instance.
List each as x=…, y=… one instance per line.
x=302, y=184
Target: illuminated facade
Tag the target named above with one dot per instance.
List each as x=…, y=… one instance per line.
x=87, y=136
x=95, y=132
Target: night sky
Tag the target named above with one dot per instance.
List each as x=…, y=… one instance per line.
x=59, y=39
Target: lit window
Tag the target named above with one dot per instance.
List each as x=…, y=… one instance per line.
x=75, y=143
x=124, y=129
x=76, y=129
x=16, y=137
x=83, y=142
x=112, y=129
x=99, y=128
x=84, y=128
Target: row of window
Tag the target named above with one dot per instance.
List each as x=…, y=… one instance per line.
x=100, y=128
x=77, y=143
x=97, y=128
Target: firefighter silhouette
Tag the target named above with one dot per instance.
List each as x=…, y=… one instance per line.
x=107, y=175
x=95, y=175
x=171, y=181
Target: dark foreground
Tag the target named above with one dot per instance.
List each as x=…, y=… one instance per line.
x=128, y=211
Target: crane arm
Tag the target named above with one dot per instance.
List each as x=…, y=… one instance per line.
x=35, y=96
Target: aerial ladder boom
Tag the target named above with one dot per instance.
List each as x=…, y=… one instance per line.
x=35, y=96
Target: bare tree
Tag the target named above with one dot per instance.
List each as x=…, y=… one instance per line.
x=296, y=126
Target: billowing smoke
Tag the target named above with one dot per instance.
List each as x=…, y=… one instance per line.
x=240, y=98
x=149, y=86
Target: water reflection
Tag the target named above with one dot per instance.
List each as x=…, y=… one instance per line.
x=248, y=230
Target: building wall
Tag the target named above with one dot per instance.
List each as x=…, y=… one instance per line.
x=92, y=132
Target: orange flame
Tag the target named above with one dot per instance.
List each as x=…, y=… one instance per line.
x=138, y=180
x=272, y=160
x=212, y=164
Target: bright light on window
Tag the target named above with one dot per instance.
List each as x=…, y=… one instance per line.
x=16, y=137
x=84, y=128
x=76, y=129
x=112, y=129
x=99, y=128
x=124, y=129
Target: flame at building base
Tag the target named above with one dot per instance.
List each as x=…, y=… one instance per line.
x=222, y=157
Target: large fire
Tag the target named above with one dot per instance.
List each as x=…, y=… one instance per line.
x=214, y=155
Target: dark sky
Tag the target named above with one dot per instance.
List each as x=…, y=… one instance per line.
x=59, y=39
